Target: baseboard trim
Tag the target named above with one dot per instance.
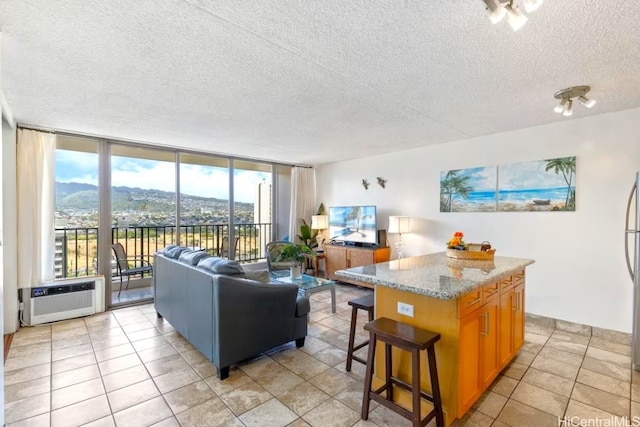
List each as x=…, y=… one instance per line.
x=549, y=323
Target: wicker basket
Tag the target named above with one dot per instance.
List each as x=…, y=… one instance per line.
x=473, y=255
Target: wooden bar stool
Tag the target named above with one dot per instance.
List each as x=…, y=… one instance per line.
x=362, y=303
x=411, y=339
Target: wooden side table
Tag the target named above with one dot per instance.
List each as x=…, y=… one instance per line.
x=315, y=263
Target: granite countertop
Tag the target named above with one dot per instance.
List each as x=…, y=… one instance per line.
x=435, y=275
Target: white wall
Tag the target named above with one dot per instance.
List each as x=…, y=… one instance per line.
x=1, y=263
x=580, y=274
x=9, y=229
x=2, y=293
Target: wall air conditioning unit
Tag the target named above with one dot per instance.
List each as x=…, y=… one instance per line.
x=63, y=299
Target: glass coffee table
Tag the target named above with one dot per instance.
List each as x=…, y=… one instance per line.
x=309, y=284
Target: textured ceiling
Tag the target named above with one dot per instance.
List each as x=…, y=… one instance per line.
x=309, y=82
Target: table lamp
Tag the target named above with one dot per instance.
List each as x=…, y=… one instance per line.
x=399, y=225
x=319, y=222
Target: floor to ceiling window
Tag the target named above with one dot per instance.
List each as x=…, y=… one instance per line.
x=252, y=207
x=204, y=202
x=76, y=207
x=143, y=207
x=152, y=198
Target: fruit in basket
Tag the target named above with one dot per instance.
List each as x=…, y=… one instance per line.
x=457, y=242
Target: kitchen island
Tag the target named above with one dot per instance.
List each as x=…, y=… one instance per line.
x=476, y=306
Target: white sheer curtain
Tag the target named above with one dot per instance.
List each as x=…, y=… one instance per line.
x=36, y=217
x=303, y=199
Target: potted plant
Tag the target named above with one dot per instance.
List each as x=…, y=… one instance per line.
x=296, y=254
x=307, y=235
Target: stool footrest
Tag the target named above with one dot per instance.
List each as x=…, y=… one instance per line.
x=358, y=359
x=401, y=410
x=359, y=346
x=407, y=387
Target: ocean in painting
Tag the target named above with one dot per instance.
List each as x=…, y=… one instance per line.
x=512, y=200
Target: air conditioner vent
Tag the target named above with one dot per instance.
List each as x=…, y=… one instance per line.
x=60, y=300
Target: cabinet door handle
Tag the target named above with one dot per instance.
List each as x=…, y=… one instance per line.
x=517, y=307
x=474, y=302
x=484, y=324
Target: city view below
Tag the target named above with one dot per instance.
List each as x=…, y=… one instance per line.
x=77, y=207
x=144, y=221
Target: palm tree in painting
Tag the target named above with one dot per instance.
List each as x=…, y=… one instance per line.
x=567, y=167
x=354, y=215
x=451, y=187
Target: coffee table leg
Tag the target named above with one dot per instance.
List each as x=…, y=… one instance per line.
x=333, y=298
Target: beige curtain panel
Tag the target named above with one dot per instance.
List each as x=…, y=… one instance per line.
x=36, y=217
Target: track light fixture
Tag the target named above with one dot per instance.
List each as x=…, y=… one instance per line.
x=568, y=95
x=568, y=109
x=498, y=9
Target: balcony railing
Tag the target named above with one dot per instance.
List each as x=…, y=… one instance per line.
x=76, y=249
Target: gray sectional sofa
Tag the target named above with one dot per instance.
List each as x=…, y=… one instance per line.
x=227, y=317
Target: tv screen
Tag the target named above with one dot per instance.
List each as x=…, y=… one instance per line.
x=353, y=224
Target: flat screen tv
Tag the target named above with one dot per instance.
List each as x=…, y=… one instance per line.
x=353, y=225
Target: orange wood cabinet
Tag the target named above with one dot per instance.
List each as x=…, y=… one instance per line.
x=481, y=332
x=495, y=335
x=478, y=343
x=342, y=257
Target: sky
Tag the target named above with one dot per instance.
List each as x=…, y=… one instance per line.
x=481, y=179
x=530, y=175
x=205, y=181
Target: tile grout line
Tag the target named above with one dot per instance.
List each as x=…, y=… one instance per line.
x=576, y=379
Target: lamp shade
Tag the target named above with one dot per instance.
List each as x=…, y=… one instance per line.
x=399, y=224
x=319, y=222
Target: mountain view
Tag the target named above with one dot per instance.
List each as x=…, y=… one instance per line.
x=77, y=206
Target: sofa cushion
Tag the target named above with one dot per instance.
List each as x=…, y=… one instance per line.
x=173, y=251
x=193, y=257
x=221, y=266
x=258, y=275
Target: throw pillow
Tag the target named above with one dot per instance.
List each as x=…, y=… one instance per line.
x=193, y=257
x=175, y=251
x=221, y=266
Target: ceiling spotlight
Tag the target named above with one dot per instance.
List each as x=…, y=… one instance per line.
x=586, y=101
x=568, y=95
x=495, y=10
x=532, y=5
x=568, y=109
x=515, y=17
x=560, y=107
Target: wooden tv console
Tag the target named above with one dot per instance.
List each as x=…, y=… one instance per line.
x=340, y=257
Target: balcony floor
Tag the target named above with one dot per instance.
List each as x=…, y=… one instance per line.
x=128, y=296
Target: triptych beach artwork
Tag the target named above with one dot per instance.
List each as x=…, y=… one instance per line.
x=541, y=185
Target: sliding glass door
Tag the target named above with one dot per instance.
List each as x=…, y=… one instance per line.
x=143, y=208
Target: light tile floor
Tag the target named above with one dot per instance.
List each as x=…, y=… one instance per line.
x=127, y=368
